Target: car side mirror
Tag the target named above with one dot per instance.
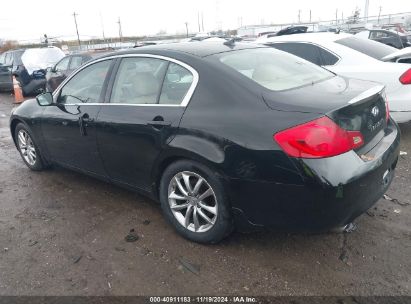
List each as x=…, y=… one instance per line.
x=49, y=69
x=45, y=99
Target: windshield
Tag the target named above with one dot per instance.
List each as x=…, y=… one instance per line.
x=368, y=47
x=274, y=69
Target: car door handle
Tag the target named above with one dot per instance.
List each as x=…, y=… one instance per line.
x=158, y=124
x=83, y=123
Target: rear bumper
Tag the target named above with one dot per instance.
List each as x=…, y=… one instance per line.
x=334, y=191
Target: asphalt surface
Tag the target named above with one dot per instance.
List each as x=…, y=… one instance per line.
x=63, y=233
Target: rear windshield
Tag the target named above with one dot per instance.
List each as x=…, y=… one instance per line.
x=274, y=69
x=368, y=47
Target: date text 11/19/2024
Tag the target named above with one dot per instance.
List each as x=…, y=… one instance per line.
x=203, y=299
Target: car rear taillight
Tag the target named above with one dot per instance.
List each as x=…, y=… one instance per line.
x=406, y=77
x=318, y=139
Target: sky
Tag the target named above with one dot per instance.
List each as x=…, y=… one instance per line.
x=34, y=18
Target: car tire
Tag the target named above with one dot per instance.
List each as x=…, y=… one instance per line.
x=27, y=147
x=207, y=202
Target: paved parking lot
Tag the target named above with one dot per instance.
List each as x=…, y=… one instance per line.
x=62, y=233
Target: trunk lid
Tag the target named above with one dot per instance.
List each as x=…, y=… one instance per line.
x=403, y=53
x=355, y=105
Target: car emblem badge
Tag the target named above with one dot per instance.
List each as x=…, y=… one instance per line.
x=375, y=111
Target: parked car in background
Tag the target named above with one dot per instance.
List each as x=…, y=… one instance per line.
x=290, y=30
x=10, y=63
x=354, y=57
x=29, y=67
x=389, y=37
x=220, y=134
x=56, y=74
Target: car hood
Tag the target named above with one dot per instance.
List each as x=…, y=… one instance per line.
x=41, y=58
x=405, y=52
x=322, y=97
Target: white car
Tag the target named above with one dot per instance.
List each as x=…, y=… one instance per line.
x=354, y=57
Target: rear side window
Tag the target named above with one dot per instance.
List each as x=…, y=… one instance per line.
x=307, y=51
x=138, y=81
x=176, y=84
x=312, y=53
x=151, y=81
x=368, y=47
x=328, y=57
x=63, y=64
x=273, y=69
x=17, y=57
x=75, y=62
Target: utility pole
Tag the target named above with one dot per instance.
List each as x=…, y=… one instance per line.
x=202, y=21
x=310, y=16
x=379, y=15
x=75, y=22
x=336, y=16
x=102, y=27
x=186, y=23
x=198, y=21
x=120, y=32
x=367, y=4
x=299, y=16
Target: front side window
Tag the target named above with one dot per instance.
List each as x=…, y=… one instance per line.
x=62, y=65
x=87, y=85
x=273, y=69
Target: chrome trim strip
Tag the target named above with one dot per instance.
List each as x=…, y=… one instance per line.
x=124, y=104
x=184, y=103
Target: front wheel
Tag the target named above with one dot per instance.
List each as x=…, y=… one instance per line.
x=27, y=148
x=193, y=201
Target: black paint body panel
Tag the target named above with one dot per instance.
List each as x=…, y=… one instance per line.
x=228, y=125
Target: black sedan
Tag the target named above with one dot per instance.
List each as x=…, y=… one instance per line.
x=223, y=135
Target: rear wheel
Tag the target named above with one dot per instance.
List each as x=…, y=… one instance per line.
x=193, y=201
x=27, y=148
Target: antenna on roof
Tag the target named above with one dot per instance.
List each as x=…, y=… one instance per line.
x=230, y=42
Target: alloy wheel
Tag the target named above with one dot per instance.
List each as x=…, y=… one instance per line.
x=26, y=147
x=192, y=201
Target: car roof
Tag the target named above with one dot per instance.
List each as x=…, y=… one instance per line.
x=311, y=37
x=195, y=48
